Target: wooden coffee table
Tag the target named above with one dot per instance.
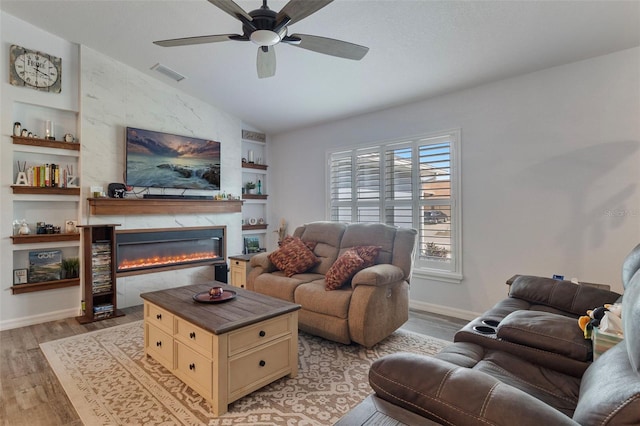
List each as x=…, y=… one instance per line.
x=225, y=350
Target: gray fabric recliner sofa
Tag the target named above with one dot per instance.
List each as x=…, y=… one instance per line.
x=370, y=307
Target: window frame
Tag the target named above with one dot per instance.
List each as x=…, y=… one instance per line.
x=423, y=268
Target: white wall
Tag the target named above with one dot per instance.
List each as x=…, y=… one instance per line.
x=114, y=96
x=47, y=304
x=108, y=96
x=550, y=174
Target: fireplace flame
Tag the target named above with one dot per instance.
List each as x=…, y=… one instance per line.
x=156, y=261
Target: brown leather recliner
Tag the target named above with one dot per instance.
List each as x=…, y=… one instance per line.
x=469, y=383
x=538, y=320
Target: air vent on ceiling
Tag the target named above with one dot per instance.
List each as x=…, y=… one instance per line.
x=168, y=72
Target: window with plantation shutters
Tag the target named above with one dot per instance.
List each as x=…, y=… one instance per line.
x=410, y=183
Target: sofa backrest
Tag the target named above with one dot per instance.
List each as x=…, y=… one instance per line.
x=562, y=296
x=630, y=265
x=333, y=239
x=397, y=244
x=610, y=388
x=327, y=235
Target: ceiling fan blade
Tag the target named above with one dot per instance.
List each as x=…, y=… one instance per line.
x=266, y=62
x=328, y=46
x=231, y=8
x=197, y=40
x=297, y=10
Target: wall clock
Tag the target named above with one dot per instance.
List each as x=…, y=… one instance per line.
x=35, y=69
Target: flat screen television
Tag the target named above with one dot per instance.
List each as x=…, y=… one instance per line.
x=162, y=160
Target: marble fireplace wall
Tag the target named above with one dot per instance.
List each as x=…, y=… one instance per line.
x=114, y=96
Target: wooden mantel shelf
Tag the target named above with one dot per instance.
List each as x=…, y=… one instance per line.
x=131, y=206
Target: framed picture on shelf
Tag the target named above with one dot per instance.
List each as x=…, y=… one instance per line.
x=251, y=245
x=20, y=276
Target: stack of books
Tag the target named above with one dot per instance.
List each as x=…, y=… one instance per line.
x=101, y=262
x=103, y=311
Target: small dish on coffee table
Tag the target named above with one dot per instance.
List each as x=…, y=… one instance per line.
x=205, y=297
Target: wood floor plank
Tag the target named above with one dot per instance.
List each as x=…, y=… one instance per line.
x=31, y=395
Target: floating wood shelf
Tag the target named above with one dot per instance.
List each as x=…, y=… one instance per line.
x=46, y=190
x=254, y=196
x=254, y=166
x=48, y=285
x=44, y=238
x=254, y=227
x=130, y=206
x=20, y=140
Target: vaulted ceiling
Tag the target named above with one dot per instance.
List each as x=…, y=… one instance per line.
x=418, y=49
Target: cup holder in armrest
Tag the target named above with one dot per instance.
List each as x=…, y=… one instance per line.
x=483, y=329
x=491, y=323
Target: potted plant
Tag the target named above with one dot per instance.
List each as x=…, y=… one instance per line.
x=71, y=267
x=250, y=187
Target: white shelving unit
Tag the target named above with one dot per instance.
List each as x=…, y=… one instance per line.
x=51, y=205
x=255, y=219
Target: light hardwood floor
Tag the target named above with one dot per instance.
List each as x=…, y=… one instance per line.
x=31, y=395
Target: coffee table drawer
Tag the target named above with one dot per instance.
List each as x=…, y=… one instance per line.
x=260, y=367
x=194, y=369
x=195, y=337
x=160, y=346
x=258, y=334
x=160, y=318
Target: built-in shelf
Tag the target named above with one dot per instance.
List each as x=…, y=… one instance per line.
x=47, y=285
x=254, y=227
x=20, y=140
x=254, y=166
x=130, y=206
x=44, y=238
x=44, y=190
x=254, y=196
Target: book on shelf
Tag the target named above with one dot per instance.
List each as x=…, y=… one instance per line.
x=45, y=265
x=103, y=311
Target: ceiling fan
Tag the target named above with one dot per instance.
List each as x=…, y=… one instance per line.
x=267, y=28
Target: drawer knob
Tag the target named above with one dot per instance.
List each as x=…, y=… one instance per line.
x=262, y=333
x=262, y=363
x=159, y=343
x=192, y=334
x=159, y=316
x=192, y=366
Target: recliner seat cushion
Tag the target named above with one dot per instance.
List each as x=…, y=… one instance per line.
x=276, y=284
x=549, y=332
x=313, y=297
x=556, y=389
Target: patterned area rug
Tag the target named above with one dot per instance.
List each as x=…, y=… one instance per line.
x=110, y=381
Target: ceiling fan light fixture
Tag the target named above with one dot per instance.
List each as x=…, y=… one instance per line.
x=265, y=37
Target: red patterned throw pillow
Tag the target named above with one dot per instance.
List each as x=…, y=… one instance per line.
x=368, y=254
x=294, y=257
x=343, y=269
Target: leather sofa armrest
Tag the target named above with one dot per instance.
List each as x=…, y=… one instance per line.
x=564, y=295
x=450, y=394
x=378, y=275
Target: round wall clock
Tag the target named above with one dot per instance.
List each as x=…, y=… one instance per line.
x=35, y=69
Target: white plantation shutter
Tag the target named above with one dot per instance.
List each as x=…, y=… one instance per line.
x=409, y=183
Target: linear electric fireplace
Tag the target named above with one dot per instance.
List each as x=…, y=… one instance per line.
x=140, y=251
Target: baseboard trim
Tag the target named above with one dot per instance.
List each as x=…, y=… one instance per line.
x=443, y=310
x=38, y=319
